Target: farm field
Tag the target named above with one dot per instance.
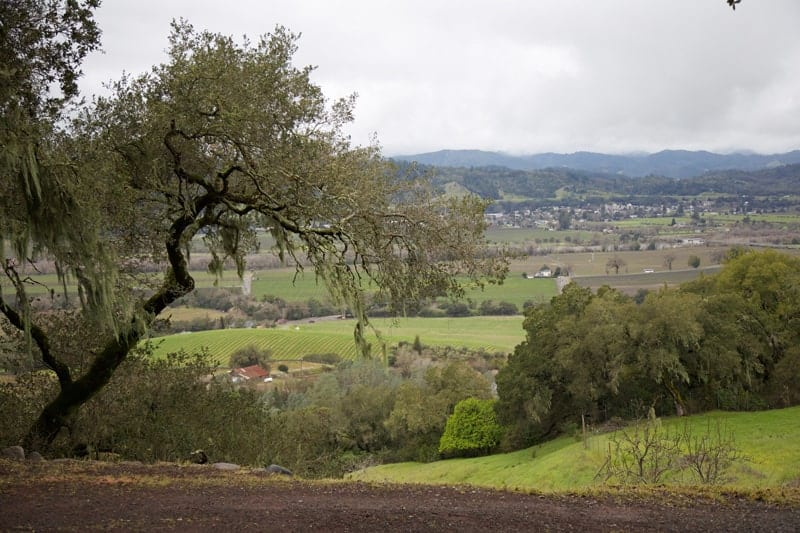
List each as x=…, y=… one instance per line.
x=630, y=283
x=336, y=336
x=186, y=314
x=282, y=283
x=594, y=264
x=490, y=333
x=285, y=344
x=768, y=439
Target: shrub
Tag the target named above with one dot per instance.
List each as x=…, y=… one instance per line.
x=472, y=429
x=163, y=409
x=646, y=453
x=456, y=309
x=250, y=355
x=489, y=307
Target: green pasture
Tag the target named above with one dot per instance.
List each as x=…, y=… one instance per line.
x=489, y=333
x=516, y=289
x=292, y=342
x=284, y=284
x=280, y=282
x=517, y=235
x=768, y=439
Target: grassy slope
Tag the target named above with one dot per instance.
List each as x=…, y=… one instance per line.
x=769, y=438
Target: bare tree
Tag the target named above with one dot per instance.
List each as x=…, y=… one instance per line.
x=616, y=263
x=669, y=258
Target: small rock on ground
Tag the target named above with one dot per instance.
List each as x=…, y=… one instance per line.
x=15, y=453
x=226, y=466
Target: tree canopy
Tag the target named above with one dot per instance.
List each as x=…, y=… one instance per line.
x=725, y=341
x=222, y=140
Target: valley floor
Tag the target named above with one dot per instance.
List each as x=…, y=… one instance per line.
x=81, y=496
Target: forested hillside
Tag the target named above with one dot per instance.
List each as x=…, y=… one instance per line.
x=562, y=186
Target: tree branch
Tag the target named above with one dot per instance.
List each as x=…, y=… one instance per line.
x=42, y=342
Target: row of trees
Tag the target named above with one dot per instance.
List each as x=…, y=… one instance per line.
x=269, y=309
x=728, y=341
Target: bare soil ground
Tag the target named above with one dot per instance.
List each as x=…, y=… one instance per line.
x=85, y=496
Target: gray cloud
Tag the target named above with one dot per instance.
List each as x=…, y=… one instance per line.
x=518, y=76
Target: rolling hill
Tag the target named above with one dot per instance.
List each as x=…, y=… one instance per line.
x=668, y=163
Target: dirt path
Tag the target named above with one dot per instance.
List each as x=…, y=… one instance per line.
x=81, y=496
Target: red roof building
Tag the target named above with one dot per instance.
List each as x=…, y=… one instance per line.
x=248, y=373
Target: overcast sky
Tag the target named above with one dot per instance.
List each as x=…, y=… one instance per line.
x=517, y=76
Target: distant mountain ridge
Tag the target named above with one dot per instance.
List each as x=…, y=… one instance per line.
x=667, y=163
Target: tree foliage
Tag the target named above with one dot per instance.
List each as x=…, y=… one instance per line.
x=423, y=406
x=724, y=341
x=42, y=43
x=472, y=429
x=250, y=355
x=221, y=139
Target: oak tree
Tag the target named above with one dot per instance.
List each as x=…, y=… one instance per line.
x=222, y=140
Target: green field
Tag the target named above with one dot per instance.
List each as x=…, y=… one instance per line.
x=336, y=336
x=283, y=284
x=285, y=344
x=769, y=439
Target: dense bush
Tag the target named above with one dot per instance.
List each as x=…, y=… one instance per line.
x=269, y=309
x=156, y=410
x=489, y=307
x=424, y=403
x=250, y=355
x=163, y=409
x=471, y=430
x=21, y=400
x=456, y=309
x=211, y=298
